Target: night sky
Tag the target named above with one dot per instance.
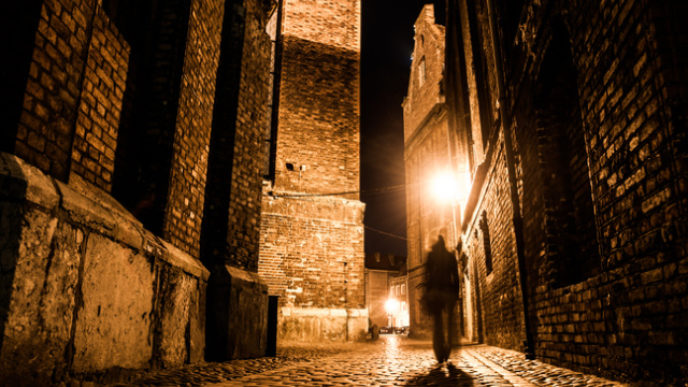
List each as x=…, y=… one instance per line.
x=387, y=45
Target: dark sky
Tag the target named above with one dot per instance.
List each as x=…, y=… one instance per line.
x=387, y=45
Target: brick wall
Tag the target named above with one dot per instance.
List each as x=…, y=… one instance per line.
x=97, y=123
x=625, y=316
x=46, y=124
x=319, y=98
x=252, y=123
x=309, y=248
x=231, y=224
x=626, y=319
x=424, y=94
x=500, y=289
x=184, y=204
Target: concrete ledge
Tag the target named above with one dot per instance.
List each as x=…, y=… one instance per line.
x=21, y=181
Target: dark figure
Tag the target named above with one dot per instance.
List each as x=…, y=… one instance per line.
x=441, y=295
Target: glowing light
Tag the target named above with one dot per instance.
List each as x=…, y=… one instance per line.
x=445, y=187
x=391, y=306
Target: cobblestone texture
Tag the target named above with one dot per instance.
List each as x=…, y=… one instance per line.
x=392, y=361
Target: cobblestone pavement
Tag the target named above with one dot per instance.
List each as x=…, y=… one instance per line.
x=392, y=361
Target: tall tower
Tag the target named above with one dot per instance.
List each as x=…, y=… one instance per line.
x=311, y=251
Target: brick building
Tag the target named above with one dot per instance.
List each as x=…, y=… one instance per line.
x=130, y=185
x=427, y=159
x=311, y=246
x=569, y=117
x=385, y=278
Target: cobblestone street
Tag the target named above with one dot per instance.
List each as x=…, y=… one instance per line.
x=392, y=361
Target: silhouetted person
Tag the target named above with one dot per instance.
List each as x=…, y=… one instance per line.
x=441, y=295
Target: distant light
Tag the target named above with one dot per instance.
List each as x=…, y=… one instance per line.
x=391, y=306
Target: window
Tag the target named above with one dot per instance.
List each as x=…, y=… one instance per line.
x=22, y=17
x=570, y=231
x=156, y=32
x=485, y=230
x=421, y=72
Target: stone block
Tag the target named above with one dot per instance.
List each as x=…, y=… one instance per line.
x=237, y=306
x=113, y=328
x=313, y=324
x=175, y=298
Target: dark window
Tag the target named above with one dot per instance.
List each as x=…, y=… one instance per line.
x=485, y=230
x=156, y=32
x=218, y=189
x=20, y=22
x=270, y=143
x=569, y=220
x=478, y=42
x=509, y=15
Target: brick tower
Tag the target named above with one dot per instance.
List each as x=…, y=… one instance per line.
x=311, y=247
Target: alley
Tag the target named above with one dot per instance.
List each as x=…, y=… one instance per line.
x=391, y=361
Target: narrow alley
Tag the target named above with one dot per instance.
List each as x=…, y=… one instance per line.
x=393, y=360
x=304, y=192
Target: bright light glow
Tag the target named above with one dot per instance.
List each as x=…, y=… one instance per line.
x=445, y=187
x=391, y=306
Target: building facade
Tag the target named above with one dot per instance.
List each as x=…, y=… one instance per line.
x=130, y=185
x=427, y=160
x=569, y=118
x=311, y=243
x=385, y=280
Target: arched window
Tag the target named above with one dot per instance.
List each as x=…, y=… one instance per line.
x=571, y=238
x=421, y=72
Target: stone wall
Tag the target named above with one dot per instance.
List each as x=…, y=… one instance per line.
x=603, y=292
x=85, y=289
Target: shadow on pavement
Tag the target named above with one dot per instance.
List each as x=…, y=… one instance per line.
x=438, y=376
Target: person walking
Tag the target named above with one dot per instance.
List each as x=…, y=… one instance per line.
x=441, y=296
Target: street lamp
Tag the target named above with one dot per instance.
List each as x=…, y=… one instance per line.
x=391, y=307
x=445, y=187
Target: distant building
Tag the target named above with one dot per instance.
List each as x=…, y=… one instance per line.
x=311, y=242
x=427, y=157
x=386, y=292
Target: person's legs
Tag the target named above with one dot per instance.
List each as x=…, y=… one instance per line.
x=438, y=336
x=451, y=327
